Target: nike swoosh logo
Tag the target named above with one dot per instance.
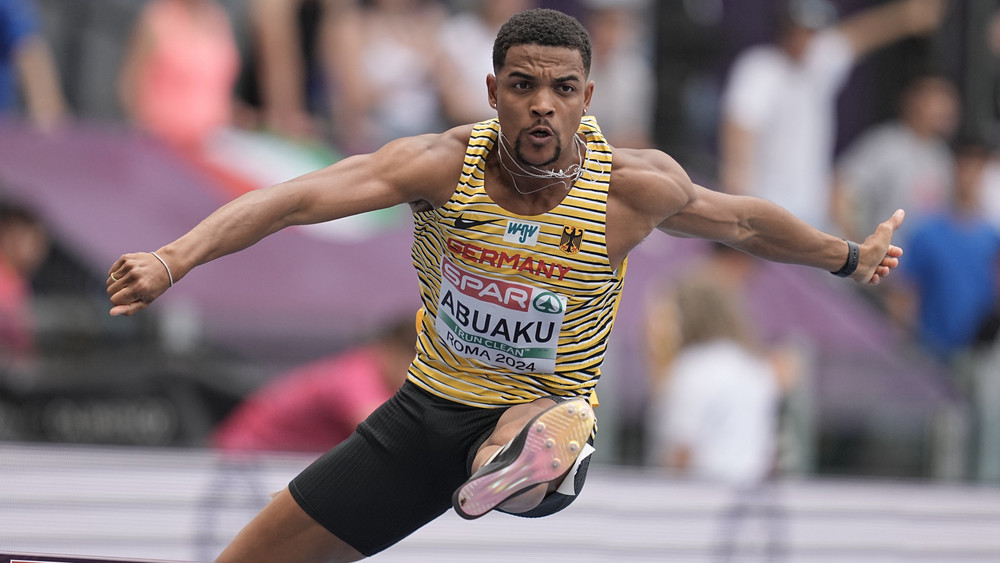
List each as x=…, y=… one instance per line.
x=463, y=223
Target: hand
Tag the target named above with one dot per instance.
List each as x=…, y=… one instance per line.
x=134, y=281
x=878, y=256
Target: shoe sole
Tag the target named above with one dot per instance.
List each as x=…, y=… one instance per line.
x=545, y=449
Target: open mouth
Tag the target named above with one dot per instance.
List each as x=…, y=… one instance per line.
x=540, y=133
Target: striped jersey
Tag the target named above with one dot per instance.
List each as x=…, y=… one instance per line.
x=515, y=307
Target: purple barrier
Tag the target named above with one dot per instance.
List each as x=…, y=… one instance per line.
x=105, y=191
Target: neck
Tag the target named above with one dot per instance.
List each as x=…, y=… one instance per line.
x=528, y=178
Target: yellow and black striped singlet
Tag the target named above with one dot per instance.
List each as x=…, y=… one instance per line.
x=515, y=307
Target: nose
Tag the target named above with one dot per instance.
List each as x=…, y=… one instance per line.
x=541, y=104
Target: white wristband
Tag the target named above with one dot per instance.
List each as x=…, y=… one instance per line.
x=164, y=262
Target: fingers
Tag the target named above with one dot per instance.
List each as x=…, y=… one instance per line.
x=888, y=263
x=881, y=272
x=133, y=282
x=117, y=273
x=115, y=277
x=882, y=238
x=891, y=258
x=128, y=309
x=896, y=220
x=124, y=300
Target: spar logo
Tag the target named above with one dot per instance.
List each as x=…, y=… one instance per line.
x=548, y=302
x=497, y=322
x=498, y=292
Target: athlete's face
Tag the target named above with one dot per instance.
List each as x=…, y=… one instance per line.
x=540, y=94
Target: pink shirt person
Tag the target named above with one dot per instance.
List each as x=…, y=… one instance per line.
x=316, y=406
x=181, y=69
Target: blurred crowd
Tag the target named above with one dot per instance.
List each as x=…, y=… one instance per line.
x=229, y=85
x=344, y=75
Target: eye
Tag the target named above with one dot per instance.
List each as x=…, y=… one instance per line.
x=567, y=88
x=522, y=85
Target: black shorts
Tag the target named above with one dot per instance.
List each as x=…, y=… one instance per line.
x=399, y=469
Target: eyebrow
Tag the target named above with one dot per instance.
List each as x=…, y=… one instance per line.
x=526, y=76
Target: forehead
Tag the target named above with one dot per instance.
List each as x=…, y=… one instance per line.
x=538, y=60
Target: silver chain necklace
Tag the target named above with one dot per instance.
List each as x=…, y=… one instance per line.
x=572, y=172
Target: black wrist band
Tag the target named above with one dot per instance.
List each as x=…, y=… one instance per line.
x=853, y=253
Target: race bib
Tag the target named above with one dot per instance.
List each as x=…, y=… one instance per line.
x=499, y=322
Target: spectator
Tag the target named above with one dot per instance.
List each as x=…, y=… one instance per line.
x=27, y=69
x=948, y=287
x=902, y=164
x=178, y=84
x=383, y=60
x=714, y=414
x=622, y=67
x=467, y=50
x=180, y=70
x=723, y=264
x=990, y=192
x=316, y=406
x=24, y=244
x=288, y=82
x=778, y=126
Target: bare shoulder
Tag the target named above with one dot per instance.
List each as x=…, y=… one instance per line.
x=648, y=187
x=426, y=166
x=649, y=182
x=436, y=147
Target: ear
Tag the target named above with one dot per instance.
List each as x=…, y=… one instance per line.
x=588, y=93
x=491, y=90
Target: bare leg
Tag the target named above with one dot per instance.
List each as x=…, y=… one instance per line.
x=509, y=425
x=284, y=532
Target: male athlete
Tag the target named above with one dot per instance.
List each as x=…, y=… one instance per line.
x=522, y=226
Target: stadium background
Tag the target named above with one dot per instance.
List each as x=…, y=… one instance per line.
x=879, y=429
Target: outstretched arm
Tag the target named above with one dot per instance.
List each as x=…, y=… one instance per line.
x=656, y=193
x=423, y=168
x=766, y=230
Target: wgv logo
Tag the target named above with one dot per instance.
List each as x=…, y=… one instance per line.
x=522, y=232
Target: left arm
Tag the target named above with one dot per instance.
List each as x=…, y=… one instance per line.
x=657, y=191
x=766, y=230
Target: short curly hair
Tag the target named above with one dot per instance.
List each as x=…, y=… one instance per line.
x=541, y=26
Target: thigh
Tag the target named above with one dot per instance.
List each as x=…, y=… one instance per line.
x=284, y=532
x=395, y=473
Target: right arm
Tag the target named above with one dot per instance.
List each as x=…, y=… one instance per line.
x=423, y=168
